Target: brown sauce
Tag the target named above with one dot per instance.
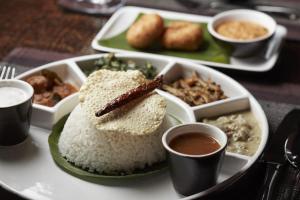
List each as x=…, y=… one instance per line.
x=194, y=144
x=241, y=30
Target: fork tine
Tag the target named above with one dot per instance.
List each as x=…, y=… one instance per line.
x=13, y=72
x=3, y=72
x=7, y=72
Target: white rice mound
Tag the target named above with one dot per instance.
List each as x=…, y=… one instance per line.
x=124, y=140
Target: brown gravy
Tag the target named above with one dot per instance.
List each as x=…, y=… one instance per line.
x=194, y=144
x=241, y=30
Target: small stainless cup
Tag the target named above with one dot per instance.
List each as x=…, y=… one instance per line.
x=194, y=173
x=15, y=119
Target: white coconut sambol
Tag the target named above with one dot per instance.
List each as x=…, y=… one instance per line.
x=123, y=140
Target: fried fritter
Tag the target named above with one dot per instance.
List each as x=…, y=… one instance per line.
x=144, y=32
x=182, y=36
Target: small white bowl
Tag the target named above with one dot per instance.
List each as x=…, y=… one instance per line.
x=243, y=48
x=45, y=116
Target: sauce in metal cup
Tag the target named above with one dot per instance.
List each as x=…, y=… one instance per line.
x=15, y=111
x=192, y=173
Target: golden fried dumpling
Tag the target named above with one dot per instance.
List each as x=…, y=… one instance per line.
x=145, y=31
x=182, y=36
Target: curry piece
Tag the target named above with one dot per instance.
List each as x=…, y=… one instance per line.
x=49, y=89
x=242, y=130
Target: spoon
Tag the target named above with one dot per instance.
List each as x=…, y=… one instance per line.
x=292, y=148
x=292, y=154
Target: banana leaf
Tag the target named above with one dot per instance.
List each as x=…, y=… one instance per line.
x=211, y=49
x=91, y=176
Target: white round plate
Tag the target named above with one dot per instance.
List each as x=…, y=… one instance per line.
x=29, y=170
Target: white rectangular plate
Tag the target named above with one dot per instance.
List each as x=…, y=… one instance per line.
x=125, y=16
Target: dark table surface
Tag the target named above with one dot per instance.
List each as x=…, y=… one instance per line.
x=42, y=25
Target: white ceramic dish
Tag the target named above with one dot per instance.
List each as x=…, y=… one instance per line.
x=28, y=169
x=44, y=116
x=243, y=15
x=125, y=16
x=242, y=48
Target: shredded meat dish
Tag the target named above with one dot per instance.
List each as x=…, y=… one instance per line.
x=195, y=91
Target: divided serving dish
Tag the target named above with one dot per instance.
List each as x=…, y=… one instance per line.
x=124, y=18
x=29, y=170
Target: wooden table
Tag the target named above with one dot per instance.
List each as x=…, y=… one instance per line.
x=41, y=24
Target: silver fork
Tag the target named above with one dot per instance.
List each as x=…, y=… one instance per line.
x=7, y=72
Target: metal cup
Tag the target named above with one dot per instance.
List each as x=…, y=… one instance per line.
x=15, y=118
x=194, y=173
